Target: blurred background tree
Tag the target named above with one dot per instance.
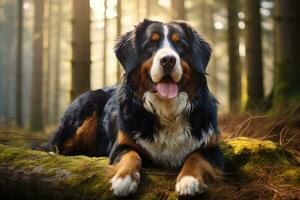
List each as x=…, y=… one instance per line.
x=36, y=119
x=253, y=45
x=235, y=87
x=51, y=51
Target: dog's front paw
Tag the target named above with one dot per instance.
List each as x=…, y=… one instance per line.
x=123, y=186
x=189, y=185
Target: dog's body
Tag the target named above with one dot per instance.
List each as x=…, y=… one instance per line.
x=161, y=115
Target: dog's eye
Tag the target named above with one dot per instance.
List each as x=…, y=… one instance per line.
x=155, y=37
x=150, y=45
x=175, y=38
x=181, y=44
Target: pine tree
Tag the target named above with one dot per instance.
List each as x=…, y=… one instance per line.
x=81, y=48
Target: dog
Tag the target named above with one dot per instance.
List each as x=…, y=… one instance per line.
x=161, y=115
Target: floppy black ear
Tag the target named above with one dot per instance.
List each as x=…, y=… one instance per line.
x=126, y=48
x=201, y=49
x=126, y=51
x=201, y=52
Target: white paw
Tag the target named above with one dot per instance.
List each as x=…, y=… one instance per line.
x=125, y=186
x=189, y=185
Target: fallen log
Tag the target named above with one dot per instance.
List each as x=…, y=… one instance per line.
x=29, y=174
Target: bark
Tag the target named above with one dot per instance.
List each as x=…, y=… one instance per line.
x=19, y=75
x=138, y=9
x=208, y=29
x=81, y=48
x=203, y=15
x=214, y=64
x=47, y=60
x=36, y=121
x=148, y=8
x=27, y=174
x=234, y=57
x=287, y=41
x=119, y=31
x=254, y=63
x=7, y=86
x=57, y=65
x=104, y=45
x=178, y=10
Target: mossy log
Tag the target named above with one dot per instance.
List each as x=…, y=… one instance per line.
x=29, y=174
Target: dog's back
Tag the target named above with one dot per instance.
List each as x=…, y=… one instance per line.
x=79, y=130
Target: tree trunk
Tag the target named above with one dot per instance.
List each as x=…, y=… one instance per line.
x=178, y=10
x=287, y=42
x=19, y=67
x=203, y=15
x=47, y=60
x=234, y=57
x=254, y=55
x=119, y=31
x=56, y=104
x=27, y=174
x=207, y=28
x=7, y=88
x=36, y=121
x=213, y=37
x=148, y=8
x=104, y=45
x=81, y=48
x=138, y=9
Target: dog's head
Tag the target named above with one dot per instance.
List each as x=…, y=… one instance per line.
x=164, y=58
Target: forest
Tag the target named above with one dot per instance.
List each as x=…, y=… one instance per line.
x=51, y=51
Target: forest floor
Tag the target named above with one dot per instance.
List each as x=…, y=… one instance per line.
x=259, y=184
x=284, y=130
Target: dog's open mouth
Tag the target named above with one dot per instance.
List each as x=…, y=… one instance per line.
x=167, y=88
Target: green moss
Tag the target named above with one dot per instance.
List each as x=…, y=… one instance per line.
x=88, y=177
x=256, y=158
x=240, y=151
x=291, y=176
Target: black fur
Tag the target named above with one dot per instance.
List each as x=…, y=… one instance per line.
x=81, y=108
x=118, y=108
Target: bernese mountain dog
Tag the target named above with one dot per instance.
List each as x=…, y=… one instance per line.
x=161, y=115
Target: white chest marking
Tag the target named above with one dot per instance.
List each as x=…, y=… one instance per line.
x=173, y=140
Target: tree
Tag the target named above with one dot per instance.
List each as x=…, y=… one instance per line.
x=57, y=65
x=19, y=75
x=138, y=8
x=104, y=44
x=287, y=42
x=81, y=48
x=206, y=24
x=178, y=9
x=36, y=121
x=47, y=59
x=148, y=8
x=213, y=37
x=234, y=58
x=8, y=35
x=119, y=31
x=82, y=177
x=254, y=63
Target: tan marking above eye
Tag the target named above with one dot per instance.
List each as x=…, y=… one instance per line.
x=155, y=37
x=175, y=38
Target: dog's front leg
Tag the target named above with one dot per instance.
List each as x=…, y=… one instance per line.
x=194, y=175
x=127, y=165
x=127, y=176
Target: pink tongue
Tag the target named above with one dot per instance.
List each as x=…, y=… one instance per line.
x=167, y=90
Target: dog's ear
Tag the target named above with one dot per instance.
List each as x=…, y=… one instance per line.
x=201, y=52
x=201, y=49
x=126, y=48
x=126, y=51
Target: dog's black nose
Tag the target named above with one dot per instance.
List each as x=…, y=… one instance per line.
x=168, y=63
